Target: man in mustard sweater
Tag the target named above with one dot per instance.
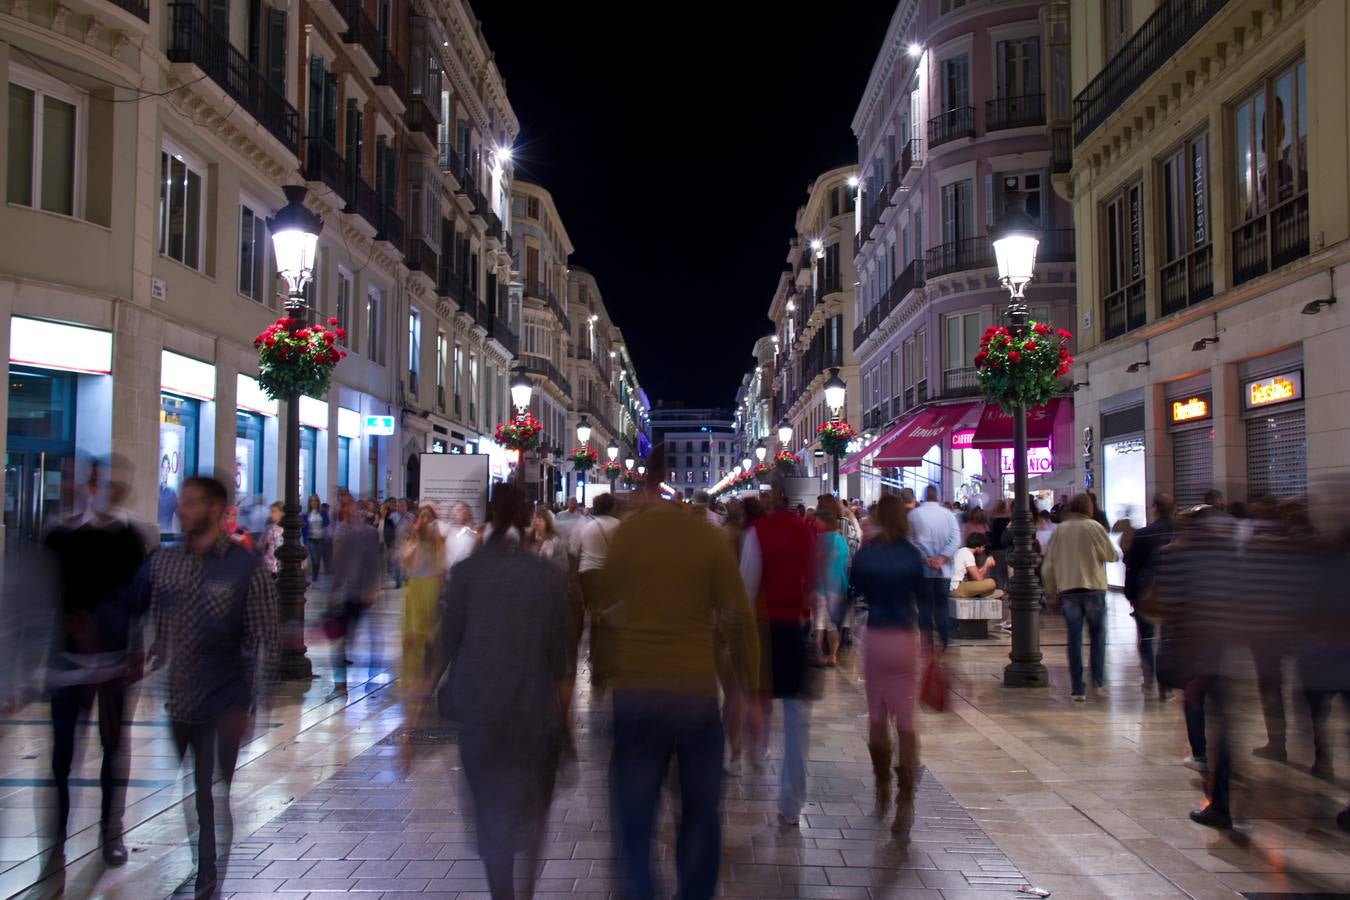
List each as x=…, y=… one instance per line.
x=1074, y=576
x=669, y=581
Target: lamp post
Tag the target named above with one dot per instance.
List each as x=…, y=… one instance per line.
x=583, y=435
x=835, y=391
x=1015, y=241
x=612, y=451
x=521, y=391
x=760, y=452
x=295, y=238
x=784, y=435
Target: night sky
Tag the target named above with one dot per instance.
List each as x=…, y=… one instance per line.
x=678, y=150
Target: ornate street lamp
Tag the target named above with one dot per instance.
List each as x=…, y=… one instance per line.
x=295, y=240
x=784, y=434
x=612, y=451
x=1015, y=241
x=583, y=436
x=746, y=464
x=521, y=391
x=761, y=452
x=835, y=392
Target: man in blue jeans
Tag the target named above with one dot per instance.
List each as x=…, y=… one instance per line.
x=937, y=534
x=669, y=583
x=1074, y=576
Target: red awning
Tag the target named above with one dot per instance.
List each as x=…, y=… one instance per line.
x=917, y=436
x=996, y=426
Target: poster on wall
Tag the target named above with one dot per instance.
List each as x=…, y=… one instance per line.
x=450, y=478
x=172, y=447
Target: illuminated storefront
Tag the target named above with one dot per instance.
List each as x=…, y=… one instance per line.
x=1276, y=430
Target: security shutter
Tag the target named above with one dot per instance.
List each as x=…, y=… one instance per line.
x=1192, y=466
x=1277, y=454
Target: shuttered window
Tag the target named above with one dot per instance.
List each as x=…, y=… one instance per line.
x=1192, y=465
x=1277, y=454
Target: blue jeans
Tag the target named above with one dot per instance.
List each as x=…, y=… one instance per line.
x=1090, y=606
x=796, y=735
x=935, y=614
x=649, y=728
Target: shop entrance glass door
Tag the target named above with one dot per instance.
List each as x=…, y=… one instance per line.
x=40, y=449
x=33, y=491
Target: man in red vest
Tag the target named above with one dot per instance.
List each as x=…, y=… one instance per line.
x=778, y=556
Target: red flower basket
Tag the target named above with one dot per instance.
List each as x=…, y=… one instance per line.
x=1025, y=369
x=521, y=433
x=785, y=461
x=611, y=469
x=583, y=459
x=835, y=437
x=295, y=359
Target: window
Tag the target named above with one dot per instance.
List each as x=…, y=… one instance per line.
x=1124, y=260
x=1018, y=73
x=532, y=207
x=1270, y=169
x=374, y=300
x=916, y=368
x=182, y=208
x=955, y=82
x=1027, y=184
x=962, y=342
x=414, y=347
x=45, y=124
x=1116, y=16
x=473, y=388
x=958, y=211
x=456, y=375
x=253, y=281
x=343, y=310
x=442, y=360
x=1186, y=278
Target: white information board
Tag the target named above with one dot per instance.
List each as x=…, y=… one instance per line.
x=450, y=478
x=802, y=490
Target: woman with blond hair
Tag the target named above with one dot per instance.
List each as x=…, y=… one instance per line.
x=423, y=559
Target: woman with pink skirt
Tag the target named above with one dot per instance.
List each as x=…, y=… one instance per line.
x=888, y=573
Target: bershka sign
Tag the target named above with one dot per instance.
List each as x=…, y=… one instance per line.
x=1275, y=389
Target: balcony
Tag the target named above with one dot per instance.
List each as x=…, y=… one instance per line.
x=959, y=256
x=1026, y=111
x=389, y=228
x=1061, y=150
x=451, y=161
x=324, y=164
x=1124, y=310
x=421, y=258
x=1163, y=33
x=907, y=281
x=448, y=282
x=494, y=226
x=1056, y=245
x=502, y=334
x=424, y=122
x=1188, y=280
x=479, y=203
x=362, y=199
x=951, y=125
x=540, y=366
x=1271, y=241
x=138, y=8
x=960, y=382
x=192, y=39
x=363, y=35
x=911, y=155
x=390, y=76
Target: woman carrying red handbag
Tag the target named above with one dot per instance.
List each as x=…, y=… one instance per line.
x=889, y=574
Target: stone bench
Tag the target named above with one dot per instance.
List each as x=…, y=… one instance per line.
x=971, y=615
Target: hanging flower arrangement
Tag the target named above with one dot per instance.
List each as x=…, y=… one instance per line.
x=631, y=478
x=835, y=437
x=521, y=433
x=1026, y=369
x=295, y=359
x=745, y=479
x=611, y=469
x=583, y=459
x=785, y=461
x=763, y=473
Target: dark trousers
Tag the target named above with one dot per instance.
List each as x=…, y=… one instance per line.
x=351, y=612
x=935, y=614
x=68, y=705
x=209, y=742
x=1207, y=727
x=1193, y=708
x=1085, y=607
x=1268, y=657
x=1319, y=707
x=651, y=727
x=1148, y=648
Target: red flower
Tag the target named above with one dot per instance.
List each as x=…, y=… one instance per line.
x=1029, y=346
x=270, y=341
x=1041, y=328
x=1064, y=335
x=1014, y=356
x=342, y=355
x=342, y=334
x=332, y=320
x=980, y=358
x=328, y=338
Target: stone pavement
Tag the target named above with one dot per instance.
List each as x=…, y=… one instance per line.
x=1085, y=800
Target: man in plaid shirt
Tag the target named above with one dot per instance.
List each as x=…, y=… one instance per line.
x=215, y=616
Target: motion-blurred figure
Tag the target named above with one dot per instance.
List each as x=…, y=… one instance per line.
x=1141, y=567
x=215, y=613
x=96, y=654
x=596, y=537
x=357, y=574
x=936, y=532
x=508, y=688
x=1074, y=576
x=778, y=565
x=889, y=573
x=670, y=579
x=423, y=560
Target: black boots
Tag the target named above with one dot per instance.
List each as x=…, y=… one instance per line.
x=881, y=771
x=906, y=777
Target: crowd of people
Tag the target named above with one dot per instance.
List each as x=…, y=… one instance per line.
x=697, y=622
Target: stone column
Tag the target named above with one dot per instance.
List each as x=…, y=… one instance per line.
x=227, y=401
x=138, y=339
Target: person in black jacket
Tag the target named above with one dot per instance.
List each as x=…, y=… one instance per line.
x=95, y=657
x=1141, y=562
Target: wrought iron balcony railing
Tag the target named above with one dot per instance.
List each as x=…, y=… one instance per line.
x=950, y=125
x=1014, y=112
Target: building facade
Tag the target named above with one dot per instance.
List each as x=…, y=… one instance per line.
x=755, y=424
x=960, y=118
x=1199, y=129
x=700, y=445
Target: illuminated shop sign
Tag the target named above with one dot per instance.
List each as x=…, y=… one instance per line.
x=1040, y=461
x=1191, y=409
x=1275, y=389
x=962, y=439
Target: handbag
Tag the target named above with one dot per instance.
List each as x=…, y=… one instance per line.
x=933, y=686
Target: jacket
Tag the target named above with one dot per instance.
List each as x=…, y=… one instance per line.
x=1074, y=561
x=1141, y=560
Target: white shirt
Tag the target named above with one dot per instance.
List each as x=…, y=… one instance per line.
x=964, y=558
x=458, y=544
x=594, y=542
